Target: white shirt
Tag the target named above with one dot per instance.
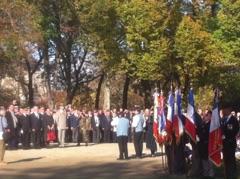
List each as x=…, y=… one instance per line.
x=138, y=122
x=96, y=121
x=114, y=123
x=36, y=114
x=15, y=120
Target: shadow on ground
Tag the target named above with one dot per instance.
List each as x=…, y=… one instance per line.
x=122, y=169
x=26, y=160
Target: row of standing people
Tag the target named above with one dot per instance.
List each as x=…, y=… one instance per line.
x=140, y=122
x=28, y=126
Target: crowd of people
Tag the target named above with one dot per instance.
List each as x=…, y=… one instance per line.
x=38, y=127
x=199, y=163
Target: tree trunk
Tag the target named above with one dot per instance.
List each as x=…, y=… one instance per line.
x=106, y=95
x=30, y=91
x=47, y=75
x=97, y=100
x=147, y=99
x=70, y=97
x=125, y=92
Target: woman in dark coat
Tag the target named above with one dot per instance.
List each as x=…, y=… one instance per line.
x=150, y=140
x=48, y=125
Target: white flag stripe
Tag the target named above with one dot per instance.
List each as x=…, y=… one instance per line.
x=190, y=113
x=180, y=126
x=169, y=114
x=155, y=95
x=215, y=122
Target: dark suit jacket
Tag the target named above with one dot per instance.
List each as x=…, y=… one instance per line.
x=230, y=129
x=10, y=123
x=203, y=134
x=74, y=121
x=24, y=123
x=36, y=123
x=49, y=120
x=105, y=122
x=44, y=119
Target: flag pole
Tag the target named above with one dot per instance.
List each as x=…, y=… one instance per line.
x=162, y=144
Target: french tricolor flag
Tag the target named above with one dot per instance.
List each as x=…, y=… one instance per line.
x=170, y=114
x=155, y=116
x=162, y=119
x=215, y=135
x=159, y=118
x=177, y=119
x=190, y=126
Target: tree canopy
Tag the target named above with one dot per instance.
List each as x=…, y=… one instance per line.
x=138, y=44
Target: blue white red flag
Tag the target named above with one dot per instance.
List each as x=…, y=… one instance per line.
x=155, y=116
x=159, y=118
x=177, y=119
x=170, y=114
x=190, y=126
x=215, y=135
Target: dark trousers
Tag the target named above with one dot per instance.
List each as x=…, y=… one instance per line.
x=138, y=143
x=130, y=136
x=179, y=158
x=84, y=136
x=43, y=137
x=114, y=137
x=122, y=144
x=96, y=135
x=13, y=141
x=26, y=139
x=36, y=138
x=229, y=160
x=170, y=157
x=75, y=135
x=68, y=135
x=106, y=135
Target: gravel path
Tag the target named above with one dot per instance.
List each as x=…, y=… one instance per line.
x=95, y=161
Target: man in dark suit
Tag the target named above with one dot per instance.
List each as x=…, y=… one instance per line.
x=74, y=120
x=105, y=123
x=230, y=129
x=36, y=127
x=24, y=123
x=12, y=122
x=44, y=118
x=203, y=134
x=95, y=127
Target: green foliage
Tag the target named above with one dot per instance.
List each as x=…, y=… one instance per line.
x=19, y=24
x=227, y=38
x=104, y=29
x=145, y=25
x=196, y=52
x=148, y=40
x=228, y=33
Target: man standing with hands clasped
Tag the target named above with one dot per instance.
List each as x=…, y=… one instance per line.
x=230, y=129
x=36, y=126
x=138, y=124
x=122, y=136
x=61, y=121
